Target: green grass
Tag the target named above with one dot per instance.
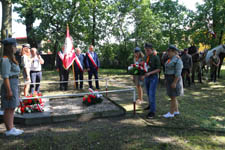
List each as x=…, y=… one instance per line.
x=202, y=107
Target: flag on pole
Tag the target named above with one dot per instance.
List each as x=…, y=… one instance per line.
x=68, y=55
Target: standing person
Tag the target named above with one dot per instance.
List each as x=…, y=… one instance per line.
x=63, y=73
x=151, y=78
x=187, y=63
x=214, y=64
x=26, y=64
x=35, y=70
x=174, y=84
x=10, y=90
x=93, y=64
x=79, y=67
x=138, y=59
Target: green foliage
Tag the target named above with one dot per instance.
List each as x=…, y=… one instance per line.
x=173, y=19
x=115, y=27
x=209, y=17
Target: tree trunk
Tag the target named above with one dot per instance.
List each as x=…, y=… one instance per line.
x=6, y=19
x=6, y=30
x=221, y=37
x=29, y=20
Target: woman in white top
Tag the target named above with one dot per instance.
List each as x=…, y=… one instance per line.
x=35, y=70
x=26, y=62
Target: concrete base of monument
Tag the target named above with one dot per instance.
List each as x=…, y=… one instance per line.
x=60, y=109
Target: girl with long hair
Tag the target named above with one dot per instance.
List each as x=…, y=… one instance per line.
x=10, y=90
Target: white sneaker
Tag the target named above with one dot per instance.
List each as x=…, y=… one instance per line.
x=168, y=115
x=12, y=132
x=17, y=130
x=176, y=113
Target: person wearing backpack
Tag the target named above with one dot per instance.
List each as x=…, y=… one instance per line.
x=10, y=71
x=174, y=84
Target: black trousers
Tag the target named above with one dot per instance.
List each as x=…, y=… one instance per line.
x=186, y=73
x=64, y=76
x=213, y=72
x=90, y=74
x=80, y=75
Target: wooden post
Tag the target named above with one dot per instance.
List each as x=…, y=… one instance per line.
x=74, y=75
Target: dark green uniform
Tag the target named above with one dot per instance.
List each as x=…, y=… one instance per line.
x=153, y=63
x=214, y=60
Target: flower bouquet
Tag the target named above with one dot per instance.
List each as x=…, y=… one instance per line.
x=137, y=69
x=31, y=105
x=93, y=98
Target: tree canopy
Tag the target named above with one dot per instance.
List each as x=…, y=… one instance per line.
x=115, y=27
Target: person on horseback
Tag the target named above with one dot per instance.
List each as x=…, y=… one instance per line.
x=187, y=65
x=214, y=64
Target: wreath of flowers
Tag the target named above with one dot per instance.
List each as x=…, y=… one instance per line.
x=93, y=98
x=31, y=105
x=137, y=69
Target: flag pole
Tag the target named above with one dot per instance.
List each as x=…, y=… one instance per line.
x=74, y=75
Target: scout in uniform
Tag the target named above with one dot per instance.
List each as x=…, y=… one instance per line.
x=79, y=67
x=151, y=78
x=187, y=63
x=92, y=64
x=10, y=71
x=63, y=73
x=214, y=64
x=174, y=84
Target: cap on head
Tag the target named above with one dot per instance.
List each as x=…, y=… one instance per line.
x=148, y=45
x=185, y=49
x=137, y=49
x=9, y=41
x=26, y=45
x=172, y=47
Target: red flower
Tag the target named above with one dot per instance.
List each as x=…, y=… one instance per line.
x=84, y=98
x=22, y=109
x=134, y=65
x=29, y=101
x=91, y=96
x=89, y=100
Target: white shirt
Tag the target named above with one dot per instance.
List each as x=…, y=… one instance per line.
x=35, y=64
x=26, y=61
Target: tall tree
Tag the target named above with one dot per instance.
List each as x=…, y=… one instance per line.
x=173, y=18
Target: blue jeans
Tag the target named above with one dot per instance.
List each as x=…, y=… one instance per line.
x=151, y=85
x=35, y=78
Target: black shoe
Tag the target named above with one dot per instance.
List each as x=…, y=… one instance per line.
x=97, y=88
x=147, y=108
x=150, y=115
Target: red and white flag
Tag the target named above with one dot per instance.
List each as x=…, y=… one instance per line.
x=68, y=55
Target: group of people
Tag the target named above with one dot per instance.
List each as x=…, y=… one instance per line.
x=173, y=70
x=83, y=62
x=31, y=62
x=176, y=68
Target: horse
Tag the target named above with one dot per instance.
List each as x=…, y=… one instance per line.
x=220, y=52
